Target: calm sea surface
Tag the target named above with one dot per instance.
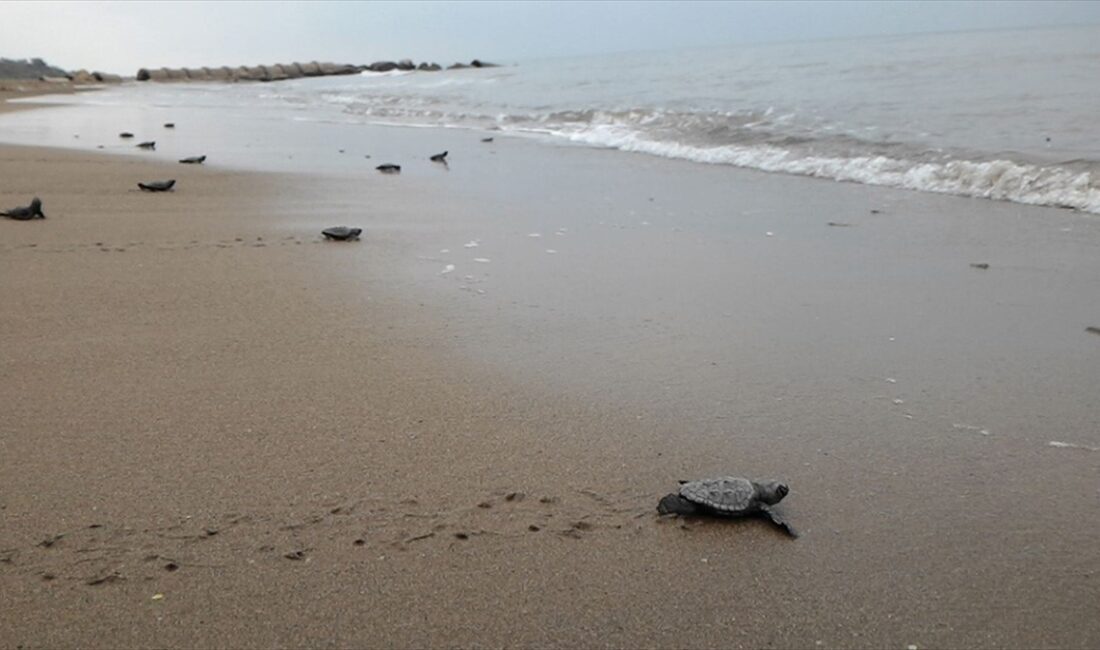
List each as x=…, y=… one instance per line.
x=1000, y=115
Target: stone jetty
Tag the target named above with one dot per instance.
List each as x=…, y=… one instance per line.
x=281, y=71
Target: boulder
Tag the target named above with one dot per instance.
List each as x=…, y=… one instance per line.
x=382, y=66
x=143, y=74
x=176, y=74
x=482, y=64
x=457, y=66
x=338, y=68
x=312, y=69
x=406, y=64
x=83, y=77
x=292, y=70
x=221, y=74
x=107, y=78
x=274, y=73
x=429, y=67
x=240, y=73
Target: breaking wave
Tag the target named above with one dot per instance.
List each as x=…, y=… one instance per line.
x=998, y=179
x=765, y=141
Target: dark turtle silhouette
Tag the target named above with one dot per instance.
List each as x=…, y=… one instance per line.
x=440, y=157
x=728, y=496
x=170, y=125
x=32, y=211
x=486, y=139
x=157, y=186
x=389, y=168
x=342, y=233
x=147, y=145
x=125, y=134
x=194, y=160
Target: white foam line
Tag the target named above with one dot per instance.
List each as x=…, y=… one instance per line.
x=1070, y=445
x=1004, y=180
x=967, y=427
x=472, y=243
x=482, y=260
x=447, y=269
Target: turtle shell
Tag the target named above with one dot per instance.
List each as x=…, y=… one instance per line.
x=725, y=494
x=342, y=233
x=157, y=186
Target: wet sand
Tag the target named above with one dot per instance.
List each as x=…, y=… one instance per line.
x=222, y=431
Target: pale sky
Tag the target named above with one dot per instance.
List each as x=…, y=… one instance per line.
x=121, y=37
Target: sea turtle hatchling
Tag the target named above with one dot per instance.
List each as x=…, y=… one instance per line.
x=158, y=186
x=26, y=213
x=342, y=233
x=728, y=496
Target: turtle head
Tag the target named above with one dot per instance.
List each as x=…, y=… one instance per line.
x=772, y=492
x=36, y=206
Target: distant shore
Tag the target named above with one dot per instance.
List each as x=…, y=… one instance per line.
x=224, y=431
x=19, y=88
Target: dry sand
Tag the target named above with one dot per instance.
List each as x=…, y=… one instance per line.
x=220, y=431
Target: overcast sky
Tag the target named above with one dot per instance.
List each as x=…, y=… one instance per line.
x=123, y=36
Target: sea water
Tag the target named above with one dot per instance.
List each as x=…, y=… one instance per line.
x=1009, y=115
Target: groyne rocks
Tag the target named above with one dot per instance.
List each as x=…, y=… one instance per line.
x=281, y=71
x=42, y=71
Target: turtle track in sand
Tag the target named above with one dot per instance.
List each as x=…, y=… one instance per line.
x=122, y=247
x=102, y=553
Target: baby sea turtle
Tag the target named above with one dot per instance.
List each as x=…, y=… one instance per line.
x=440, y=157
x=193, y=160
x=342, y=233
x=157, y=186
x=389, y=168
x=728, y=496
x=26, y=213
x=125, y=134
x=147, y=145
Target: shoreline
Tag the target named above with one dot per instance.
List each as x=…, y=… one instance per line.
x=23, y=88
x=1045, y=180
x=298, y=397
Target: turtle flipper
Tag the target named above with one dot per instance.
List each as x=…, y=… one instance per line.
x=674, y=504
x=778, y=520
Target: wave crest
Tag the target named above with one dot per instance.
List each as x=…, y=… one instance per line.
x=768, y=142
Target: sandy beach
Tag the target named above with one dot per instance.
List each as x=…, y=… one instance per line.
x=222, y=431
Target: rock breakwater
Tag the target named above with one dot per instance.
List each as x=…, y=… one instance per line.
x=282, y=71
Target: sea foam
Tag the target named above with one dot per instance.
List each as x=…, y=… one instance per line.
x=1004, y=180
